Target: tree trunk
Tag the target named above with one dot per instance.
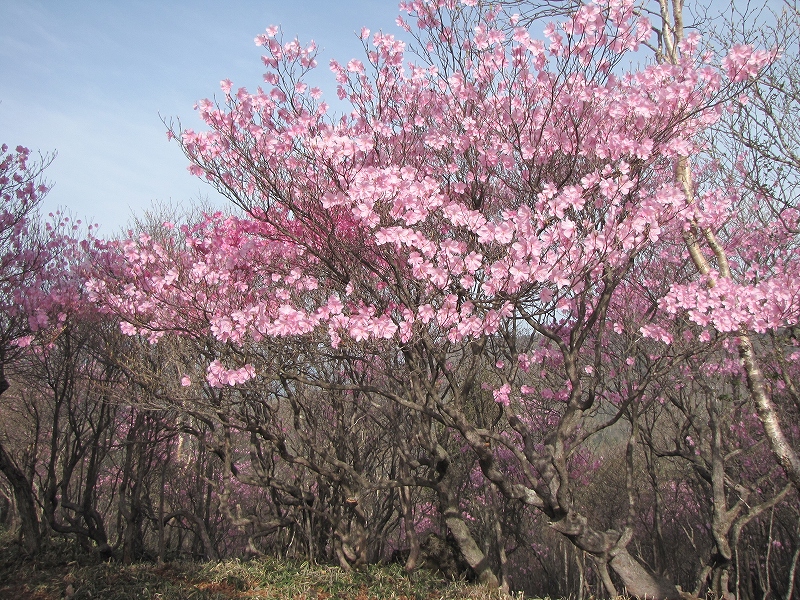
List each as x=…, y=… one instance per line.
x=466, y=543
x=209, y=549
x=23, y=492
x=639, y=582
x=26, y=505
x=411, y=534
x=636, y=579
x=768, y=413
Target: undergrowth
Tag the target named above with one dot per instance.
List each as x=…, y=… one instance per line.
x=63, y=571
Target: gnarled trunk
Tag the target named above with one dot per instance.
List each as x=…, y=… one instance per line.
x=26, y=505
x=637, y=580
x=469, y=548
x=411, y=534
x=23, y=492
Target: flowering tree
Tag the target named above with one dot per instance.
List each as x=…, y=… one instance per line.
x=480, y=225
x=23, y=257
x=21, y=247
x=41, y=291
x=744, y=286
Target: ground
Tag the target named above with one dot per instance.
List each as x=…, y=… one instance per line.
x=63, y=571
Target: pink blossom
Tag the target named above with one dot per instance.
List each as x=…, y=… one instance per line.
x=743, y=62
x=501, y=395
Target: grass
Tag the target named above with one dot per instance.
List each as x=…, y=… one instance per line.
x=64, y=572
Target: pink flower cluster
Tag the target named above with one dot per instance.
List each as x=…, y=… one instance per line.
x=517, y=186
x=743, y=61
x=218, y=376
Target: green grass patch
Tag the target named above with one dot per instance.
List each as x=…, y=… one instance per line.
x=66, y=572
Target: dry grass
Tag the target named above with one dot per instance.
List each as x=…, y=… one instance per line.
x=64, y=572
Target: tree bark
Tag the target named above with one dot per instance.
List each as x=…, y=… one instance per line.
x=411, y=534
x=26, y=505
x=466, y=543
x=768, y=414
x=636, y=579
x=23, y=492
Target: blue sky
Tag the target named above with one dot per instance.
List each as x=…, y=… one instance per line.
x=89, y=79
